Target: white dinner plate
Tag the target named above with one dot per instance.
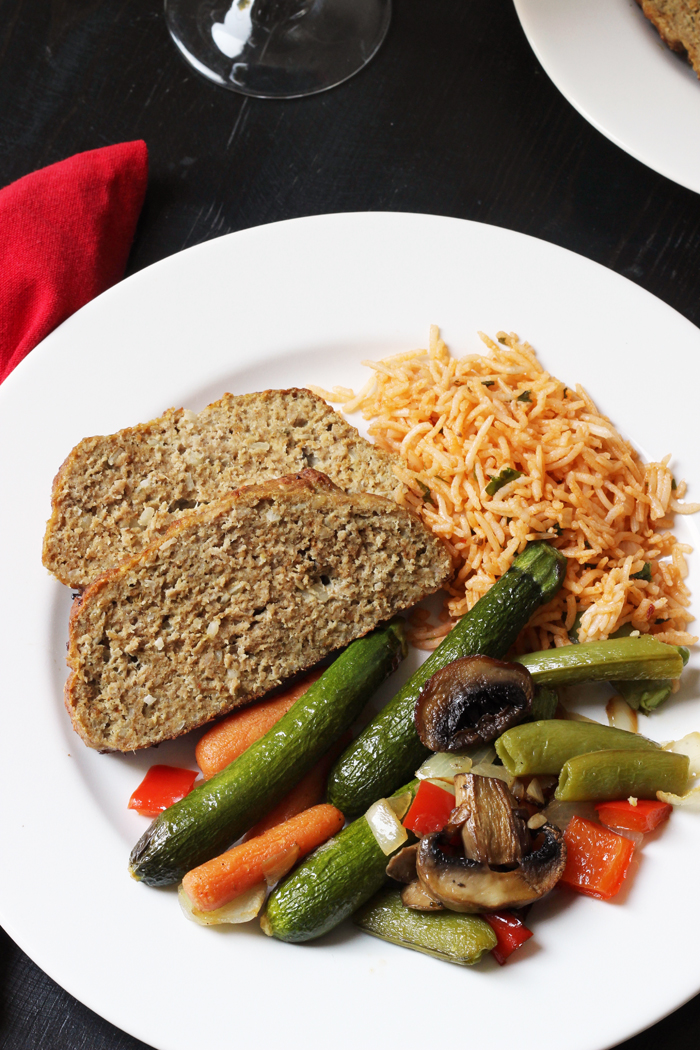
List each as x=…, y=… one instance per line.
x=301, y=302
x=608, y=60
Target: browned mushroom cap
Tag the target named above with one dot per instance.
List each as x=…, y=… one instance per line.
x=470, y=701
x=491, y=865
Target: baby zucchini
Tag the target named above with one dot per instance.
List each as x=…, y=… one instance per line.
x=330, y=885
x=446, y=935
x=218, y=811
x=388, y=751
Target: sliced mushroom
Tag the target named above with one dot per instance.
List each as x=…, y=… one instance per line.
x=417, y=897
x=493, y=833
x=471, y=701
x=495, y=862
x=402, y=865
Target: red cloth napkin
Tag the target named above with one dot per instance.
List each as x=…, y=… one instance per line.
x=65, y=235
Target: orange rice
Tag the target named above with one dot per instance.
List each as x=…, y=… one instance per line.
x=457, y=424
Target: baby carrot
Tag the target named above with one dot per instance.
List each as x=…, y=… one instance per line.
x=310, y=790
x=220, y=880
x=229, y=738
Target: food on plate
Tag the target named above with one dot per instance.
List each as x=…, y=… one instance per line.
x=641, y=658
x=597, y=859
x=331, y=884
x=161, y=787
x=511, y=933
x=221, y=809
x=495, y=452
x=310, y=791
x=268, y=856
x=460, y=939
x=240, y=909
x=678, y=23
x=430, y=810
x=471, y=701
x=389, y=750
x=633, y=814
x=116, y=495
x=603, y=775
x=228, y=738
x=567, y=573
x=538, y=748
x=486, y=858
x=237, y=597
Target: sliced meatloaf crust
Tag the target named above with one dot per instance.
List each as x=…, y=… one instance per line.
x=678, y=23
x=115, y=495
x=235, y=598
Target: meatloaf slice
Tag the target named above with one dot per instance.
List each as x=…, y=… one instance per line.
x=234, y=599
x=678, y=23
x=115, y=495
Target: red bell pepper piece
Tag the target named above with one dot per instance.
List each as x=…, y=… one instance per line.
x=645, y=816
x=160, y=788
x=597, y=859
x=430, y=809
x=510, y=931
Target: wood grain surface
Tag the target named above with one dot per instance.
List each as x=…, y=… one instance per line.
x=454, y=116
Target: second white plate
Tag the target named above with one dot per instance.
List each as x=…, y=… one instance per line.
x=612, y=66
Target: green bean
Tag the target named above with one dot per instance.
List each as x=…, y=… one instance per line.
x=602, y=775
x=544, y=703
x=645, y=696
x=617, y=658
x=543, y=747
x=460, y=939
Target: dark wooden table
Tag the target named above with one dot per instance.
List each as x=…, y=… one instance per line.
x=454, y=116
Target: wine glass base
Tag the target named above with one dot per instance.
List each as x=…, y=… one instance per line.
x=278, y=48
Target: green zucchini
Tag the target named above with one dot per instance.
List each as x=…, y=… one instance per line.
x=330, y=885
x=460, y=939
x=217, y=812
x=389, y=751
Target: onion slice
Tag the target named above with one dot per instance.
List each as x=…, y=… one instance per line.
x=278, y=866
x=446, y=785
x=688, y=745
x=691, y=799
x=386, y=827
x=442, y=766
x=489, y=769
x=621, y=715
x=241, y=909
x=560, y=813
x=401, y=803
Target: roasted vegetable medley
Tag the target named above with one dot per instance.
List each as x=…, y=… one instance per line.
x=474, y=793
